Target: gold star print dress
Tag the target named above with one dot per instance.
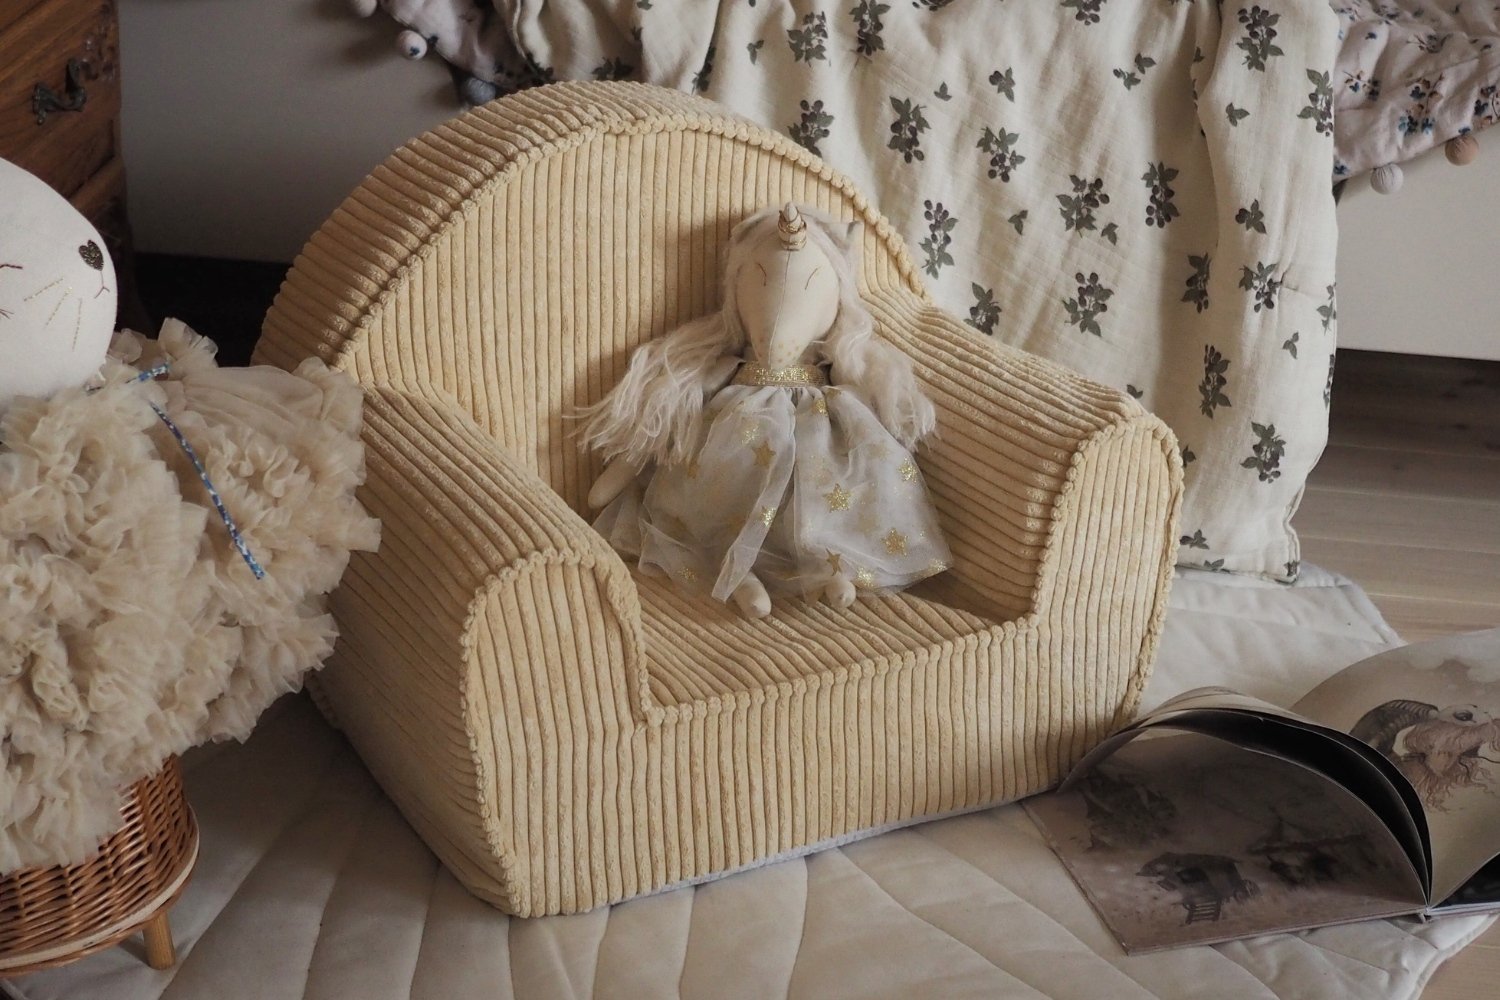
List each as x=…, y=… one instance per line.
x=791, y=479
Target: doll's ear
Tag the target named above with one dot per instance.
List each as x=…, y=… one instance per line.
x=749, y=222
x=849, y=236
x=740, y=228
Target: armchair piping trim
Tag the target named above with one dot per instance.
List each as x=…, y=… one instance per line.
x=615, y=593
x=619, y=595
x=731, y=127
x=1167, y=558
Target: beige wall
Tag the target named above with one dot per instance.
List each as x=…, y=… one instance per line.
x=1419, y=270
x=247, y=121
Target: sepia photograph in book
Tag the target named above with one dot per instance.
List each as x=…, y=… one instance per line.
x=1217, y=816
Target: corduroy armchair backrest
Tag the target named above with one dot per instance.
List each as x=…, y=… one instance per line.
x=516, y=256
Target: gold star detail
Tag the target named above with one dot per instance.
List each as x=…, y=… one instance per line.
x=820, y=405
x=767, y=515
x=835, y=562
x=908, y=470
x=895, y=542
x=763, y=455
x=838, y=498
x=688, y=574
x=936, y=566
x=749, y=430
x=864, y=579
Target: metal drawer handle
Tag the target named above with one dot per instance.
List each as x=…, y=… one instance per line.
x=45, y=100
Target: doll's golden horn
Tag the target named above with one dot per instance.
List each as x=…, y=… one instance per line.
x=792, y=227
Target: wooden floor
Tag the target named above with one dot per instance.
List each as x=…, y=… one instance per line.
x=1406, y=501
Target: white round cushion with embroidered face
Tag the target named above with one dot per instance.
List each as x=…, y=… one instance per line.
x=57, y=290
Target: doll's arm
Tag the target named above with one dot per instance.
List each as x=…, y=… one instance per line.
x=612, y=481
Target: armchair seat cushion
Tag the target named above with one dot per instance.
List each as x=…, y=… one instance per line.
x=697, y=650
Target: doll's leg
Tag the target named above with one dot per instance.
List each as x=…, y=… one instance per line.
x=751, y=597
x=839, y=592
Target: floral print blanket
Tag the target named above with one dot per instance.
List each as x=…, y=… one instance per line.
x=1136, y=189
x=1412, y=74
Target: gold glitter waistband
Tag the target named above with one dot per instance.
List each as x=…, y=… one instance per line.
x=792, y=376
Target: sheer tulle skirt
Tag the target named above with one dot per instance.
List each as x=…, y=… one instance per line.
x=797, y=485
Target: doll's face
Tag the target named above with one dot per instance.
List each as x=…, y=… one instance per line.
x=57, y=290
x=787, y=299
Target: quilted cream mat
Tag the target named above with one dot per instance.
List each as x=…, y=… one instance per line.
x=311, y=885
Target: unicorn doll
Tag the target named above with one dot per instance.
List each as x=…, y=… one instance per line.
x=766, y=448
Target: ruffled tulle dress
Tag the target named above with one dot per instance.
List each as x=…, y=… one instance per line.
x=791, y=479
x=133, y=623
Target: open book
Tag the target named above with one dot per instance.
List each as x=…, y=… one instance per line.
x=1218, y=816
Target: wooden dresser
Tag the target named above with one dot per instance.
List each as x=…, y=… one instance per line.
x=60, y=113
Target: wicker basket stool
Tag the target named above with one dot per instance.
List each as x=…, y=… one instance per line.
x=50, y=916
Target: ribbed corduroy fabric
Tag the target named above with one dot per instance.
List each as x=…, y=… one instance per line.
x=565, y=734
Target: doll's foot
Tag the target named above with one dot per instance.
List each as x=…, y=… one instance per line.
x=839, y=592
x=752, y=599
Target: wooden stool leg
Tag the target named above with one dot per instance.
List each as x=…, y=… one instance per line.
x=159, y=951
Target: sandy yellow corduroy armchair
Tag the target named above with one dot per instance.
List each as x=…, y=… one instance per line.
x=565, y=733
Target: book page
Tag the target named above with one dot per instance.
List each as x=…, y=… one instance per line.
x=1256, y=725
x=1181, y=839
x=1433, y=709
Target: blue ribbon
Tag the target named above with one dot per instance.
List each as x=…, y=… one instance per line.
x=213, y=494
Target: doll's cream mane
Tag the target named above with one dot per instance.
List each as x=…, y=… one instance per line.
x=654, y=413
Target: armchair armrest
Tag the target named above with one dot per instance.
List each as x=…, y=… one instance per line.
x=1053, y=489
x=492, y=621
x=1060, y=498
